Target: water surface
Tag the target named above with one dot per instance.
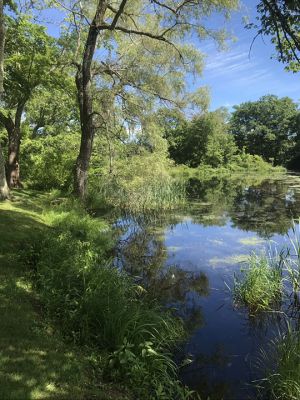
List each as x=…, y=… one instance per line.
x=188, y=259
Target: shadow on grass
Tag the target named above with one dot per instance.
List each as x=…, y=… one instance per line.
x=17, y=228
x=35, y=363
x=28, y=200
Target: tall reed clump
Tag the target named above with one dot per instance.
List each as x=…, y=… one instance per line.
x=292, y=261
x=259, y=286
x=137, y=195
x=283, y=381
x=97, y=305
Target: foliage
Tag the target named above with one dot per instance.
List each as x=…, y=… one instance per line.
x=292, y=260
x=36, y=360
x=241, y=165
x=268, y=127
x=52, y=111
x=100, y=306
x=284, y=353
x=280, y=20
x=48, y=161
x=30, y=59
x=148, y=366
x=204, y=140
x=260, y=285
x=131, y=81
x=139, y=182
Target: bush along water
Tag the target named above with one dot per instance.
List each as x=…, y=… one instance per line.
x=97, y=305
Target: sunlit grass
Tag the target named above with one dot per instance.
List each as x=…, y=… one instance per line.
x=35, y=361
x=138, y=196
x=259, y=285
x=292, y=260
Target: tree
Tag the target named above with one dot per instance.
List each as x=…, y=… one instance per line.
x=4, y=191
x=203, y=140
x=53, y=110
x=31, y=57
x=280, y=19
x=267, y=127
x=162, y=24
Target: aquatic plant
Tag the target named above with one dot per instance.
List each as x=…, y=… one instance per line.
x=292, y=260
x=138, y=194
x=283, y=381
x=259, y=286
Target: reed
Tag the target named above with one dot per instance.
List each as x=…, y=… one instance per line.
x=283, y=353
x=259, y=286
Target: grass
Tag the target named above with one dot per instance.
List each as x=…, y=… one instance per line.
x=281, y=360
x=292, y=260
x=138, y=195
x=35, y=361
x=80, y=322
x=97, y=305
x=259, y=286
x=284, y=354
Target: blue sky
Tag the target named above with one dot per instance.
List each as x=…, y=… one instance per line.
x=234, y=76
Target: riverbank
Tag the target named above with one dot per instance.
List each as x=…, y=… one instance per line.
x=84, y=328
x=35, y=360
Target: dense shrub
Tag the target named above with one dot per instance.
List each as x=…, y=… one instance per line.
x=48, y=162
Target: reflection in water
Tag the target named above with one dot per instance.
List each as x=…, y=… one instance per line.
x=184, y=258
x=143, y=254
x=263, y=207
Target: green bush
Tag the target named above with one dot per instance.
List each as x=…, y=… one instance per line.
x=48, y=162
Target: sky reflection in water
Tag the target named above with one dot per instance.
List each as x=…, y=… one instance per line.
x=200, y=248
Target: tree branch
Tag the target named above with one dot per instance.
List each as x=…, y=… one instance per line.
x=143, y=33
x=118, y=14
x=7, y=122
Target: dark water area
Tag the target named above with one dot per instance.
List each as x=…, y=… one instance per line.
x=187, y=258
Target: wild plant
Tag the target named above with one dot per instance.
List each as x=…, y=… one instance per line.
x=259, y=285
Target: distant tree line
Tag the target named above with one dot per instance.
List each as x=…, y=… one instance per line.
x=268, y=127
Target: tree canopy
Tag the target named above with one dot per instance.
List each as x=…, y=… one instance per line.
x=203, y=140
x=280, y=19
x=268, y=127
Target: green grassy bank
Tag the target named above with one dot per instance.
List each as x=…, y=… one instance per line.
x=35, y=361
x=73, y=326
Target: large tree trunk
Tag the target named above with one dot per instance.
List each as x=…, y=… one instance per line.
x=13, y=166
x=2, y=43
x=4, y=190
x=85, y=100
x=14, y=141
x=87, y=136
